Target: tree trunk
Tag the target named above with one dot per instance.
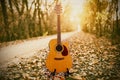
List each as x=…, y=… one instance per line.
x=26, y=3
x=5, y=17
x=22, y=8
x=39, y=17
x=11, y=9
x=17, y=7
x=117, y=22
x=99, y=19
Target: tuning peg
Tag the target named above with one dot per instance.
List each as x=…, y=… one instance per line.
x=58, y=8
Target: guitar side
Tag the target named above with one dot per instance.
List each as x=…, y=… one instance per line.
x=55, y=60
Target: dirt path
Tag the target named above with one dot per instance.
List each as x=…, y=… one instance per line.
x=27, y=48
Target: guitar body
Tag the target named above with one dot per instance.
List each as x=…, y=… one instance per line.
x=58, y=59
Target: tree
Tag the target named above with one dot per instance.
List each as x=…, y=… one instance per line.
x=22, y=19
x=5, y=17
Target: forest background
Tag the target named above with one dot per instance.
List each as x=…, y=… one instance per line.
x=23, y=19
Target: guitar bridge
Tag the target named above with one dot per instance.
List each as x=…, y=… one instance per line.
x=58, y=58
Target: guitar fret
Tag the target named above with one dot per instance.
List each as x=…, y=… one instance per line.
x=58, y=30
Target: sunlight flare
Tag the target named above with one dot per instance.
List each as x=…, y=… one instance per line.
x=78, y=28
x=76, y=9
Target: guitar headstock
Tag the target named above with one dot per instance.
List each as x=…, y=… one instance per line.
x=58, y=9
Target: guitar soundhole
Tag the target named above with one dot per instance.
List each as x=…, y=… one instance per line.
x=59, y=47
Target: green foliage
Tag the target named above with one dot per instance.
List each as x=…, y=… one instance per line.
x=27, y=19
x=99, y=18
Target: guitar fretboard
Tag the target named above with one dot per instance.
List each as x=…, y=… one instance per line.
x=58, y=30
x=58, y=10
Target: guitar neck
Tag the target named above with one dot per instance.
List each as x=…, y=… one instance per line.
x=58, y=11
x=58, y=30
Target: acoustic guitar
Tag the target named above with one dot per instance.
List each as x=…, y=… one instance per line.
x=58, y=59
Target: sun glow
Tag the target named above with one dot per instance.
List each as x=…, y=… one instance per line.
x=73, y=13
x=76, y=9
